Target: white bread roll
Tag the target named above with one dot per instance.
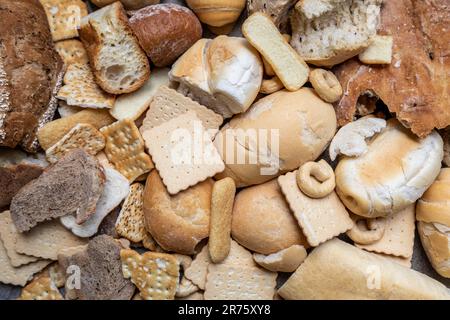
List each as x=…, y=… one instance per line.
x=393, y=173
x=433, y=214
x=305, y=123
x=338, y=270
x=224, y=74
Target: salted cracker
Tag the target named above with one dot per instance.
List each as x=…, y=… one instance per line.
x=167, y=104
x=46, y=240
x=21, y=275
x=234, y=282
x=41, y=288
x=82, y=136
x=72, y=51
x=125, y=149
x=8, y=233
x=64, y=17
x=398, y=237
x=81, y=90
x=131, y=224
x=116, y=188
x=183, y=152
x=154, y=274
x=320, y=219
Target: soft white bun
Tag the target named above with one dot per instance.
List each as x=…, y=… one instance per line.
x=393, y=173
x=224, y=74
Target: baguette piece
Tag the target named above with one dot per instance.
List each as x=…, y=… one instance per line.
x=262, y=33
x=118, y=62
x=338, y=270
x=328, y=32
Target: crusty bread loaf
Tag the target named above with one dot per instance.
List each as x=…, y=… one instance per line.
x=30, y=73
x=177, y=223
x=72, y=185
x=338, y=270
x=223, y=74
x=327, y=32
x=284, y=115
x=392, y=174
x=262, y=221
x=165, y=31
x=118, y=62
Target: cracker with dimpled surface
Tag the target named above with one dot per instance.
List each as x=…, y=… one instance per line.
x=72, y=51
x=41, y=288
x=130, y=224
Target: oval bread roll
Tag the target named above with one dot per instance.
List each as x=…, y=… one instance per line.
x=393, y=173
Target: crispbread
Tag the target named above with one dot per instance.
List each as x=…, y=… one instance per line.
x=80, y=89
x=398, y=237
x=155, y=274
x=115, y=190
x=125, y=149
x=83, y=135
x=41, y=288
x=45, y=240
x=132, y=105
x=130, y=224
x=8, y=236
x=64, y=17
x=21, y=275
x=262, y=33
x=168, y=104
x=320, y=219
x=230, y=282
x=183, y=152
x=72, y=51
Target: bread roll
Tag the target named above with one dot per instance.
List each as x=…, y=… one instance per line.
x=305, y=125
x=165, y=31
x=224, y=74
x=262, y=221
x=433, y=214
x=393, y=173
x=177, y=223
x=338, y=270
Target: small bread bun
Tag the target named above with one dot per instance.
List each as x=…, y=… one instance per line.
x=262, y=221
x=393, y=173
x=177, y=223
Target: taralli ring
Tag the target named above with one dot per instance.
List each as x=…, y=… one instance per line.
x=316, y=179
x=326, y=85
x=368, y=232
x=271, y=85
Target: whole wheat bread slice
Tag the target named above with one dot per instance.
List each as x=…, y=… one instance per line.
x=73, y=184
x=118, y=62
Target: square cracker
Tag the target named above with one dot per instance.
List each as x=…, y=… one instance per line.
x=72, y=51
x=229, y=282
x=130, y=224
x=168, y=104
x=398, y=237
x=83, y=135
x=46, y=239
x=155, y=274
x=81, y=90
x=320, y=219
x=406, y=262
x=183, y=152
x=41, y=288
x=8, y=237
x=64, y=17
x=125, y=149
x=21, y=275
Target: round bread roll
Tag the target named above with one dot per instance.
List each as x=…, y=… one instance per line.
x=433, y=214
x=298, y=123
x=393, y=173
x=262, y=221
x=177, y=223
x=165, y=31
x=127, y=4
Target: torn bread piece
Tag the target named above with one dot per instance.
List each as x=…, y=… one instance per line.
x=378, y=52
x=286, y=260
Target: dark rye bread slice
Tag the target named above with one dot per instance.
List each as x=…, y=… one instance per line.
x=72, y=185
x=100, y=271
x=31, y=73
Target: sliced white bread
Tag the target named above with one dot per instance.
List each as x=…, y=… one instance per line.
x=328, y=32
x=118, y=62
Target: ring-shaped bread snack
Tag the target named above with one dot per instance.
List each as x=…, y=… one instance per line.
x=368, y=231
x=316, y=179
x=326, y=85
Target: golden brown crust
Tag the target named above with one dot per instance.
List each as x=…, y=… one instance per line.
x=414, y=85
